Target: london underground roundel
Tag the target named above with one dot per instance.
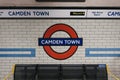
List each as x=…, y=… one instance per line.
x=73, y=41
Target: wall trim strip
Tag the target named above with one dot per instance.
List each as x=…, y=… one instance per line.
x=15, y=50
x=102, y=52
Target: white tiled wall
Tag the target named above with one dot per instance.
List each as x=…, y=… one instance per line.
x=24, y=33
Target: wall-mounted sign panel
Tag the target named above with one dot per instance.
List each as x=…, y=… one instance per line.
x=41, y=13
x=103, y=13
x=59, y=13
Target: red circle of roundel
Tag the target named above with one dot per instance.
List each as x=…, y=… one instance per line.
x=67, y=29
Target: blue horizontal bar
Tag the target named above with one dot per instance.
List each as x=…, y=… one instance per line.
x=87, y=52
x=60, y=42
x=32, y=50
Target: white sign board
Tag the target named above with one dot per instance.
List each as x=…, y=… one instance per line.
x=103, y=14
x=59, y=13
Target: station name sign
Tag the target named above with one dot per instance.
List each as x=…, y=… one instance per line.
x=59, y=13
